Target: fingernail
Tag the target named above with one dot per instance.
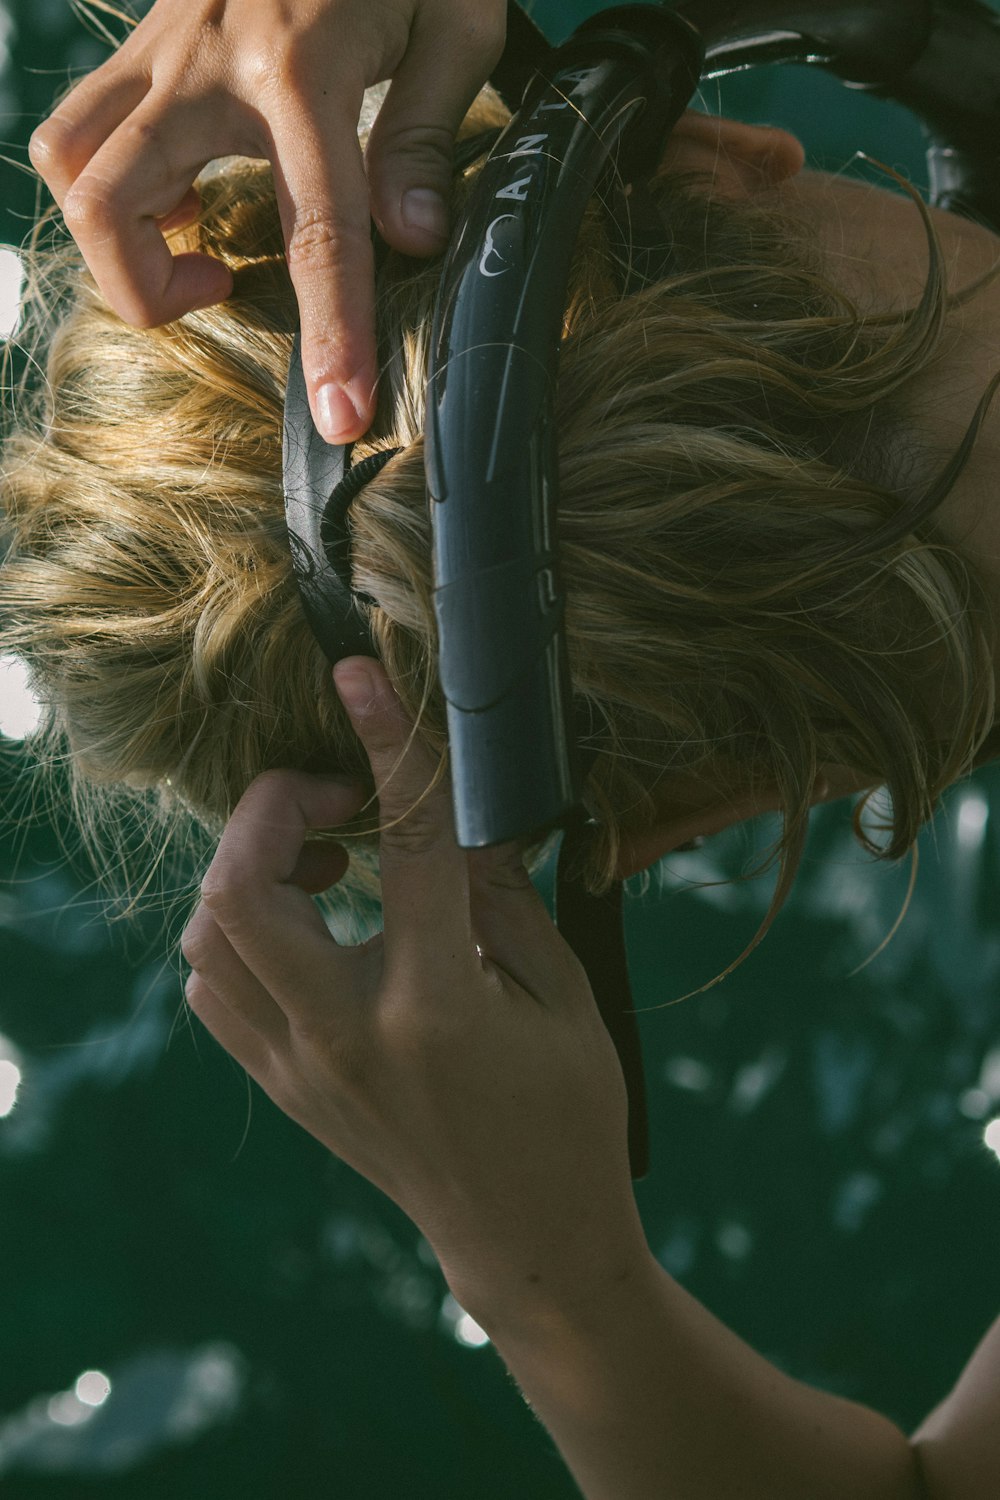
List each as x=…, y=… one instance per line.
x=339, y=416
x=424, y=209
x=355, y=684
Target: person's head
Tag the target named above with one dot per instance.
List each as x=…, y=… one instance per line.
x=734, y=451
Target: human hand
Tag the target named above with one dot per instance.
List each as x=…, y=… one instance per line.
x=482, y=1093
x=201, y=79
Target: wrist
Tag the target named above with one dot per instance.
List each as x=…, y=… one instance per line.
x=531, y=1296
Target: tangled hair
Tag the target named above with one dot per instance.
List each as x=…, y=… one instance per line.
x=753, y=574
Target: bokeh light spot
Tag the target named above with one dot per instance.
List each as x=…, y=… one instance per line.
x=92, y=1388
x=973, y=815
x=10, y=1082
x=11, y=276
x=468, y=1332
x=19, y=708
x=462, y=1325
x=67, y=1410
x=975, y=1104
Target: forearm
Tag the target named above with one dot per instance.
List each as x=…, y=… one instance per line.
x=648, y=1396
x=959, y=1443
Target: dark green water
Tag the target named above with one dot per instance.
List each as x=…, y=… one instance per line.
x=272, y=1327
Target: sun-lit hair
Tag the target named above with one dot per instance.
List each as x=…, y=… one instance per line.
x=754, y=579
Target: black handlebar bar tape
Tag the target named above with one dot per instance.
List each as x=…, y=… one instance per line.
x=954, y=89
x=490, y=443
x=938, y=58
x=861, y=43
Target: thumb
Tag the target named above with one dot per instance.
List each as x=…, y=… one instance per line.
x=410, y=148
x=425, y=896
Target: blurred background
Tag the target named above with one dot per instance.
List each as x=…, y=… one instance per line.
x=197, y=1300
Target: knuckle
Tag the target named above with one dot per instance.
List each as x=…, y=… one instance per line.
x=283, y=67
x=147, y=132
x=195, y=938
x=349, y=1058
x=413, y=840
x=196, y=993
x=483, y=30
x=408, y=145
x=320, y=241
x=224, y=894
x=264, y=65
x=88, y=210
x=419, y=832
x=414, y=1033
x=297, y=61
x=45, y=144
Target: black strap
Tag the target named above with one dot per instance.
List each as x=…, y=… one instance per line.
x=595, y=930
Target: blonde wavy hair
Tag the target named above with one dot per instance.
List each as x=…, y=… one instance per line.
x=753, y=574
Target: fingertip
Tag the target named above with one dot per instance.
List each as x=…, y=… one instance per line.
x=423, y=216
x=220, y=285
x=40, y=152
x=197, y=281
x=359, y=681
x=342, y=413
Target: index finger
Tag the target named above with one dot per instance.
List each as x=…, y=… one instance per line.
x=323, y=199
x=142, y=173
